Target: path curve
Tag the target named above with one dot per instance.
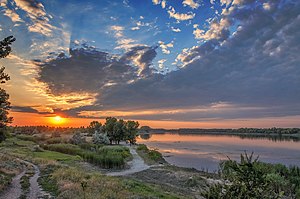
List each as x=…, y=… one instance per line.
x=15, y=190
x=137, y=164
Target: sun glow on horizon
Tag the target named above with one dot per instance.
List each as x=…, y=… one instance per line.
x=57, y=120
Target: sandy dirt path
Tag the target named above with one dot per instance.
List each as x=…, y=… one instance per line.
x=137, y=164
x=15, y=190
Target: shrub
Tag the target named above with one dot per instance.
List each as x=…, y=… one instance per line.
x=28, y=138
x=77, y=139
x=100, y=138
x=55, y=140
x=105, y=157
x=250, y=178
x=142, y=147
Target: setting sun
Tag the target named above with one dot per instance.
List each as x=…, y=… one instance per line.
x=57, y=120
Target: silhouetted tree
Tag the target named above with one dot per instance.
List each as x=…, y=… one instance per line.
x=5, y=49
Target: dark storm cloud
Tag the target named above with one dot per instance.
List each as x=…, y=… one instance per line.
x=258, y=66
x=90, y=70
x=24, y=109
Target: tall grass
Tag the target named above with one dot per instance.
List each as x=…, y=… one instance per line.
x=106, y=157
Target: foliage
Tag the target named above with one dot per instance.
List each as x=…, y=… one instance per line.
x=150, y=156
x=102, y=187
x=253, y=179
x=105, y=157
x=142, y=147
x=55, y=140
x=100, y=138
x=115, y=130
x=47, y=182
x=5, y=49
x=77, y=139
x=94, y=126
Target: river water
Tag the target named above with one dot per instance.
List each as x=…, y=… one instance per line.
x=204, y=152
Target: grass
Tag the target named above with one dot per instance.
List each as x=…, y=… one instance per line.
x=100, y=186
x=150, y=156
x=63, y=176
x=47, y=182
x=53, y=155
x=25, y=184
x=105, y=157
x=5, y=180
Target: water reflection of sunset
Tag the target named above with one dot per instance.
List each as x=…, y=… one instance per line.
x=205, y=151
x=219, y=140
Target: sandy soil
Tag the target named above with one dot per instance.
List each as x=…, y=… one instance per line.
x=15, y=190
x=137, y=164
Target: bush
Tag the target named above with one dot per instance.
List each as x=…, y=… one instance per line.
x=29, y=138
x=56, y=140
x=155, y=155
x=63, y=148
x=100, y=138
x=250, y=178
x=142, y=147
x=105, y=157
x=77, y=139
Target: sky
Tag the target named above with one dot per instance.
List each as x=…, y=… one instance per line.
x=165, y=63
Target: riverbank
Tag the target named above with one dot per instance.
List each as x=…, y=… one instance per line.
x=56, y=174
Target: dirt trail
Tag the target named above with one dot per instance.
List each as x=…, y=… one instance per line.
x=137, y=164
x=15, y=189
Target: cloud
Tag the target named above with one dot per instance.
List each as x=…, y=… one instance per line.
x=25, y=109
x=163, y=4
x=180, y=16
x=156, y=2
x=165, y=47
x=243, y=72
x=244, y=68
x=191, y=3
x=175, y=29
x=39, y=18
x=15, y=17
x=217, y=30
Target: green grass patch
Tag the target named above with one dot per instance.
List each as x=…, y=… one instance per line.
x=105, y=157
x=150, y=156
x=47, y=182
x=147, y=191
x=53, y=155
x=25, y=184
x=5, y=180
x=29, y=138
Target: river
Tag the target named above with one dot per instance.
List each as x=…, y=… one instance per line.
x=204, y=152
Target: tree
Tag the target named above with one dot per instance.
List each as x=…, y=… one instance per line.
x=94, y=126
x=131, y=131
x=109, y=128
x=5, y=49
x=119, y=131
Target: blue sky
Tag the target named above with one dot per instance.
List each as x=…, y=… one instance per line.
x=183, y=60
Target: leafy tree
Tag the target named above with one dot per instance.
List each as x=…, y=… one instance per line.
x=5, y=49
x=131, y=131
x=94, y=126
x=109, y=128
x=119, y=131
